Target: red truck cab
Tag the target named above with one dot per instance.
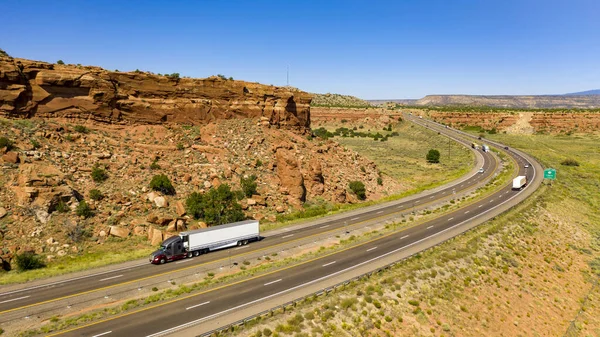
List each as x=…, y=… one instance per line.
x=170, y=250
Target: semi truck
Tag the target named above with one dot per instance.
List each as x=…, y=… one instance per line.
x=485, y=148
x=202, y=241
x=519, y=182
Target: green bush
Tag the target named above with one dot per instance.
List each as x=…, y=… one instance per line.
x=379, y=181
x=81, y=129
x=62, y=207
x=29, y=261
x=162, y=184
x=5, y=142
x=99, y=174
x=248, y=185
x=217, y=206
x=267, y=332
x=180, y=146
x=174, y=76
x=60, y=62
x=96, y=194
x=433, y=156
x=154, y=166
x=84, y=210
x=258, y=163
x=566, y=162
x=358, y=188
x=34, y=143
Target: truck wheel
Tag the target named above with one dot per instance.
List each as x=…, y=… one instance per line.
x=190, y=254
x=162, y=261
x=245, y=242
x=196, y=253
x=239, y=243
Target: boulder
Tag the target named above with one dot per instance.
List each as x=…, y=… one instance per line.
x=11, y=157
x=157, y=237
x=119, y=231
x=151, y=196
x=139, y=230
x=179, y=208
x=41, y=186
x=161, y=202
x=3, y=212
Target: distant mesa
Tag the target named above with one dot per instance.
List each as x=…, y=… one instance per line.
x=585, y=93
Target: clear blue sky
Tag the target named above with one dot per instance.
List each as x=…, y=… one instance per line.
x=370, y=49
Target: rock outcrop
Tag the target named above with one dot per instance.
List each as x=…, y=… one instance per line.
x=31, y=88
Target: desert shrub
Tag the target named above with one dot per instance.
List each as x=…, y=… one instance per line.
x=84, y=210
x=77, y=232
x=358, y=188
x=96, y=194
x=154, y=165
x=174, y=76
x=60, y=62
x=322, y=133
x=99, y=174
x=34, y=143
x=5, y=142
x=379, y=181
x=193, y=205
x=433, y=156
x=258, y=163
x=162, y=184
x=248, y=185
x=180, y=146
x=569, y=162
x=62, y=207
x=267, y=332
x=29, y=261
x=81, y=129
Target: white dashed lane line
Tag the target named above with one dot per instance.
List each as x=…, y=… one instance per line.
x=272, y=282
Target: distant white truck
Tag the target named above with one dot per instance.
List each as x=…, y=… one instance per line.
x=201, y=241
x=485, y=148
x=519, y=182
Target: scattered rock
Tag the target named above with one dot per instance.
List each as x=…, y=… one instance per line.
x=11, y=157
x=3, y=212
x=119, y=231
x=179, y=208
x=161, y=202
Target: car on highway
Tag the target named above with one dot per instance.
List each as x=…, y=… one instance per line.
x=481, y=170
x=506, y=147
x=526, y=165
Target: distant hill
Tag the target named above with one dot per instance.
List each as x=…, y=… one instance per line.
x=575, y=101
x=337, y=100
x=584, y=93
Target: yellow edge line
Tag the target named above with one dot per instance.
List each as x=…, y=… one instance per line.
x=240, y=281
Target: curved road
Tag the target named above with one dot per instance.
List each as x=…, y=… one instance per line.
x=171, y=316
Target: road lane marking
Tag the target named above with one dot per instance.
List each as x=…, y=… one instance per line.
x=197, y=305
x=370, y=249
x=492, y=200
x=110, y=278
x=102, y=334
x=272, y=282
x=324, y=226
x=14, y=299
x=379, y=212
x=467, y=212
x=480, y=206
x=404, y=237
x=430, y=227
x=355, y=218
x=431, y=197
x=287, y=236
x=450, y=219
x=328, y=264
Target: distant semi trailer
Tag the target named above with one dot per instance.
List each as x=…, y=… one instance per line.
x=519, y=182
x=202, y=241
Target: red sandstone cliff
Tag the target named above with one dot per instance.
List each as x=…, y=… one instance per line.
x=32, y=88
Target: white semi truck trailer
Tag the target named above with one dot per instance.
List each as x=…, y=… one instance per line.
x=201, y=241
x=519, y=182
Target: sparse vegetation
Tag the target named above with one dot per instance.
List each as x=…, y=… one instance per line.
x=60, y=62
x=84, y=210
x=162, y=183
x=99, y=175
x=248, y=185
x=95, y=194
x=81, y=129
x=358, y=188
x=569, y=162
x=154, y=165
x=6, y=143
x=28, y=261
x=433, y=156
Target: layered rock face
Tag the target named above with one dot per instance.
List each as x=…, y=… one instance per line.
x=30, y=88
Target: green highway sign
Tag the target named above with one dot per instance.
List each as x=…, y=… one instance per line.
x=550, y=173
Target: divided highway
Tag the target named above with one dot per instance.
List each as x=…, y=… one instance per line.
x=179, y=313
x=24, y=300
